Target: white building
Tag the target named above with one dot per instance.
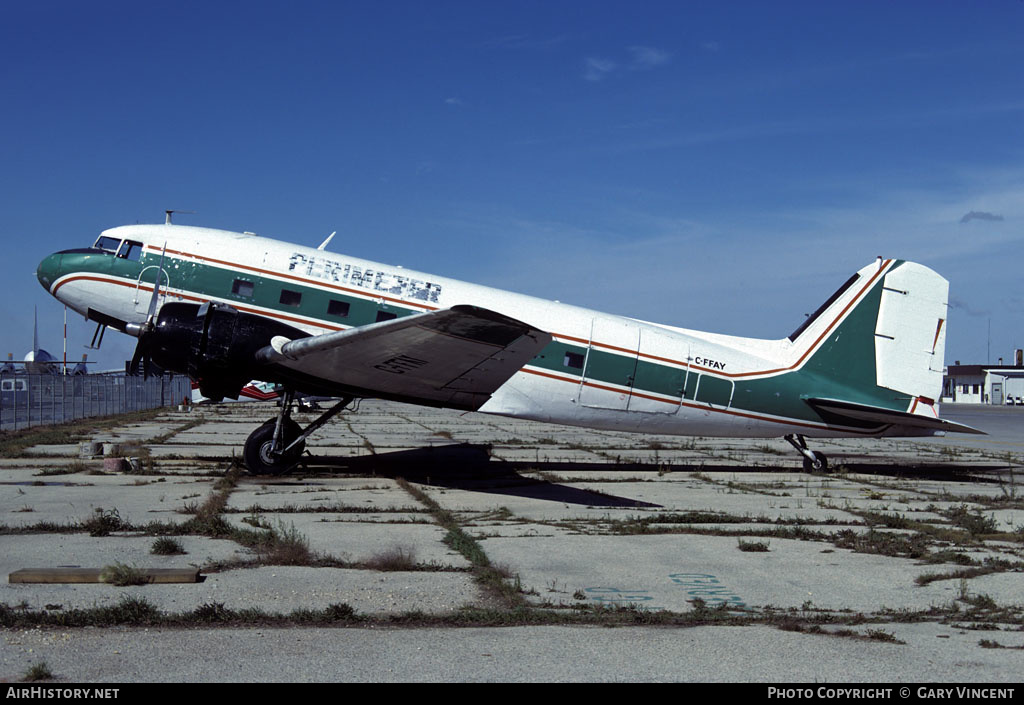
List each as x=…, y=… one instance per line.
x=985, y=384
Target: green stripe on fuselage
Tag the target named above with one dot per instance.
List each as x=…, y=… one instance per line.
x=211, y=281
x=843, y=367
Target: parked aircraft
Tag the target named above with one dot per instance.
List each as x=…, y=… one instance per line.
x=226, y=308
x=255, y=390
x=38, y=361
x=82, y=367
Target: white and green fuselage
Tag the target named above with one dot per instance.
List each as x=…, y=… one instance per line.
x=878, y=344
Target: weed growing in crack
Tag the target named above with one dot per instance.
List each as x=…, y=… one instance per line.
x=490, y=578
x=398, y=558
x=972, y=520
x=104, y=522
x=882, y=543
x=286, y=545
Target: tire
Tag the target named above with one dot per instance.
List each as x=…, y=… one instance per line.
x=819, y=464
x=256, y=452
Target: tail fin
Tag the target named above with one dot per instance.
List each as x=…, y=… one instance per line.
x=877, y=348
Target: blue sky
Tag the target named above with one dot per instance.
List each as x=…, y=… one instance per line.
x=714, y=165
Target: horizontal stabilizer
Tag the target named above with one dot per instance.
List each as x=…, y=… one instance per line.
x=878, y=414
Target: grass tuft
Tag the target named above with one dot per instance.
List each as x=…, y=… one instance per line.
x=213, y=613
x=104, y=522
x=285, y=545
x=123, y=575
x=753, y=546
x=166, y=546
x=37, y=672
x=972, y=520
x=394, y=559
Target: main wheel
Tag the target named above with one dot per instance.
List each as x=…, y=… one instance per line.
x=819, y=464
x=257, y=455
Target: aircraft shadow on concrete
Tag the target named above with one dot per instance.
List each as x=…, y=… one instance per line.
x=468, y=466
x=945, y=472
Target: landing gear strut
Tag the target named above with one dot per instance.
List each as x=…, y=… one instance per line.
x=814, y=460
x=276, y=447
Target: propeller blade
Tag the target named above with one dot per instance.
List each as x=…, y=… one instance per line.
x=137, y=355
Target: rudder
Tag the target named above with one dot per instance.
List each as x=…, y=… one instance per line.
x=910, y=335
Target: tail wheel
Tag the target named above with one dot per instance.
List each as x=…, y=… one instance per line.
x=257, y=452
x=819, y=464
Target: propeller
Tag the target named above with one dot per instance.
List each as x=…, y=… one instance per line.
x=143, y=350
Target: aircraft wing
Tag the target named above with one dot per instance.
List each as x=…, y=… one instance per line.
x=845, y=410
x=454, y=357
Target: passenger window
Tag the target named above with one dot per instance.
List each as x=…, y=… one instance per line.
x=385, y=316
x=574, y=360
x=337, y=308
x=290, y=298
x=130, y=250
x=241, y=287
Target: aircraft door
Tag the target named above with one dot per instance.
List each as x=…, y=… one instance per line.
x=660, y=378
x=144, y=287
x=611, y=364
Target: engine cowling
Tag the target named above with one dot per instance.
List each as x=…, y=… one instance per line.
x=214, y=344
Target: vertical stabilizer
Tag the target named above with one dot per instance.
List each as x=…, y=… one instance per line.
x=880, y=362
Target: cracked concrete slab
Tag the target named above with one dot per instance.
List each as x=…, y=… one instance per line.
x=574, y=520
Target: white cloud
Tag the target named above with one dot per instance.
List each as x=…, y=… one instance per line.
x=598, y=69
x=642, y=58
x=645, y=58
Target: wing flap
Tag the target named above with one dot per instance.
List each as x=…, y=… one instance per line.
x=881, y=415
x=454, y=357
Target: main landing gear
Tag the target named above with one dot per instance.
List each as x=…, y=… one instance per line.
x=276, y=447
x=814, y=460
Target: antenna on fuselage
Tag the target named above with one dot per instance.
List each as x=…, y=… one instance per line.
x=324, y=243
x=167, y=215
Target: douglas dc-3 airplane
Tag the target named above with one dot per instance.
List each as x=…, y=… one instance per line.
x=226, y=308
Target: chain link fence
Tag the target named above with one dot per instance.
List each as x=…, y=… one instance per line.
x=39, y=399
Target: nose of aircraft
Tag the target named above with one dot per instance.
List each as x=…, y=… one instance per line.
x=49, y=270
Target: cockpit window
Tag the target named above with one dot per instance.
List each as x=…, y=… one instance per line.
x=107, y=243
x=130, y=250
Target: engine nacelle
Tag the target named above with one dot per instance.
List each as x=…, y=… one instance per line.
x=214, y=344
